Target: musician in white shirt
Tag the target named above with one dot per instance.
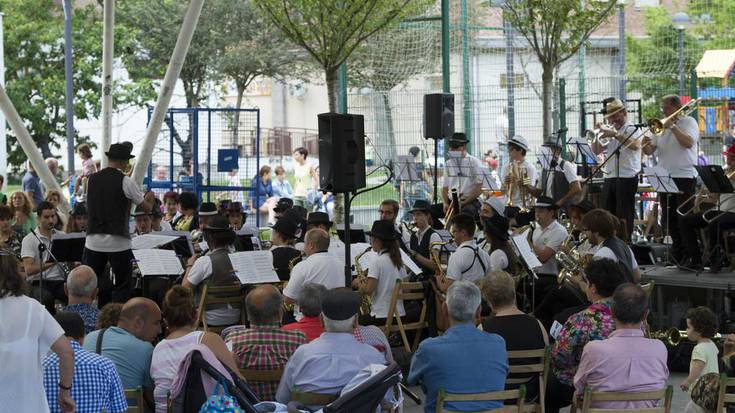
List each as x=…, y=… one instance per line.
x=512, y=176
x=320, y=267
x=559, y=181
x=463, y=172
x=468, y=262
x=621, y=171
x=676, y=148
x=547, y=239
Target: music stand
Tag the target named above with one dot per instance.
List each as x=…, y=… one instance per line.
x=407, y=169
x=68, y=247
x=662, y=183
x=584, y=154
x=182, y=245
x=357, y=233
x=456, y=168
x=714, y=179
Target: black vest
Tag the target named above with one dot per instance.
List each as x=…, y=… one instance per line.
x=423, y=248
x=107, y=206
x=561, y=185
x=622, y=253
x=282, y=257
x=222, y=273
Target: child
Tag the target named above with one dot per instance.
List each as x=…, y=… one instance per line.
x=88, y=168
x=701, y=327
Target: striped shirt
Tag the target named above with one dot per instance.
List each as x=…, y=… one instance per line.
x=96, y=386
x=264, y=347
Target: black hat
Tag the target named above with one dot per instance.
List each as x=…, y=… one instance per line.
x=218, y=223
x=120, y=151
x=79, y=209
x=235, y=207
x=421, y=205
x=498, y=226
x=208, y=209
x=584, y=205
x=545, y=202
x=318, y=218
x=299, y=211
x=340, y=303
x=140, y=212
x=458, y=139
x=287, y=227
x=384, y=230
x=283, y=204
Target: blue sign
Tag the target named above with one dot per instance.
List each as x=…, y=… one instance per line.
x=227, y=160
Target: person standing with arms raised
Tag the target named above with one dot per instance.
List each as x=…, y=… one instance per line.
x=110, y=194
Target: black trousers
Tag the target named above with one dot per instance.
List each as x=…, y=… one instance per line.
x=618, y=197
x=51, y=291
x=669, y=216
x=557, y=299
x=688, y=230
x=121, y=262
x=558, y=394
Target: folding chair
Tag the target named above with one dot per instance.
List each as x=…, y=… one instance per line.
x=590, y=397
x=539, y=368
x=261, y=376
x=517, y=395
x=725, y=398
x=366, y=397
x=406, y=291
x=136, y=396
x=230, y=294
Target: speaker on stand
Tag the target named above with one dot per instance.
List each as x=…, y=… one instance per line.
x=438, y=124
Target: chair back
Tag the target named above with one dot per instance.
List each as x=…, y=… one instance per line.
x=406, y=291
x=725, y=398
x=664, y=395
x=518, y=395
x=538, y=368
x=229, y=294
x=135, y=396
x=648, y=287
x=262, y=375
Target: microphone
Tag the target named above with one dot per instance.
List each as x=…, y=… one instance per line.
x=562, y=130
x=639, y=125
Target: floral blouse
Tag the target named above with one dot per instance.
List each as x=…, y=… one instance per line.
x=594, y=323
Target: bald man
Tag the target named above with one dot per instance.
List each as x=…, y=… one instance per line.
x=265, y=345
x=128, y=344
x=81, y=289
x=319, y=267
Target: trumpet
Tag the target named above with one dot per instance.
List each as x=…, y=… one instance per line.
x=595, y=135
x=674, y=336
x=519, y=179
x=366, y=302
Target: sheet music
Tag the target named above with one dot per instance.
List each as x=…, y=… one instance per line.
x=409, y=263
x=525, y=250
x=157, y=262
x=584, y=149
x=254, y=267
x=368, y=257
x=406, y=166
x=150, y=241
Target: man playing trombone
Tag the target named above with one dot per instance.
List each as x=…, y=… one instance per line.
x=676, y=147
x=716, y=220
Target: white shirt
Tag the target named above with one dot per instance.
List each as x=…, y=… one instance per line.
x=319, y=268
x=165, y=226
x=462, y=174
x=570, y=172
x=435, y=237
x=165, y=361
x=27, y=332
x=530, y=172
x=552, y=236
x=630, y=159
x=29, y=249
x=464, y=265
x=605, y=252
x=116, y=243
x=727, y=203
x=673, y=157
x=498, y=260
x=200, y=271
x=383, y=270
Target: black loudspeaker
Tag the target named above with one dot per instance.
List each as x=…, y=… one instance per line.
x=438, y=115
x=341, y=152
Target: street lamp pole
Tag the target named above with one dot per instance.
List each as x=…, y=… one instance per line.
x=681, y=22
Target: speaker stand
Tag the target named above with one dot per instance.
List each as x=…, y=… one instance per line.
x=436, y=171
x=348, y=255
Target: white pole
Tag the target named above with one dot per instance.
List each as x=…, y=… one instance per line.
x=167, y=88
x=3, y=139
x=108, y=53
x=30, y=149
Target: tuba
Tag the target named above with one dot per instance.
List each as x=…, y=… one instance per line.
x=366, y=302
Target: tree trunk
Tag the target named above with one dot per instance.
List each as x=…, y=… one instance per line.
x=332, y=86
x=45, y=149
x=388, y=143
x=236, y=122
x=547, y=98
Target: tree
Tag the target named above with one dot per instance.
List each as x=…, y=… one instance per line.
x=34, y=57
x=251, y=47
x=555, y=30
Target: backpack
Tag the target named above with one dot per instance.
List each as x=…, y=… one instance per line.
x=221, y=401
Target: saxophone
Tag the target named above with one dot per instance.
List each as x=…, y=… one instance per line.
x=289, y=307
x=366, y=302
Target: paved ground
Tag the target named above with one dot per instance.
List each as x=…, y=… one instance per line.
x=680, y=398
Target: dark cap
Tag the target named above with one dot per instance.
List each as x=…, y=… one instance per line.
x=340, y=303
x=218, y=223
x=287, y=227
x=497, y=225
x=140, y=212
x=545, y=202
x=208, y=209
x=458, y=138
x=79, y=210
x=121, y=151
x=421, y=205
x=318, y=218
x=283, y=204
x=384, y=230
x=235, y=207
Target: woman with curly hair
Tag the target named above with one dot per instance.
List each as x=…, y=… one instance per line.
x=23, y=218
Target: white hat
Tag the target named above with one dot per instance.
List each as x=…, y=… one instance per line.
x=520, y=141
x=497, y=204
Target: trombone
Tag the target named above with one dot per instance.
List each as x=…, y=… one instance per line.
x=659, y=126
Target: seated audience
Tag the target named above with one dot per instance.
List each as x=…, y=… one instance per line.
x=214, y=269
x=96, y=383
x=626, y=361
x=319, y=266
x=128, y=344
x=519, y=330
x=328, y=363
x=701, y=327
x=180, y=317
x=310, y=305
x=601, y=278
x=23, y=219
x=109, y=315
x=464, y=359
x=265, y=345
x=81, y=290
